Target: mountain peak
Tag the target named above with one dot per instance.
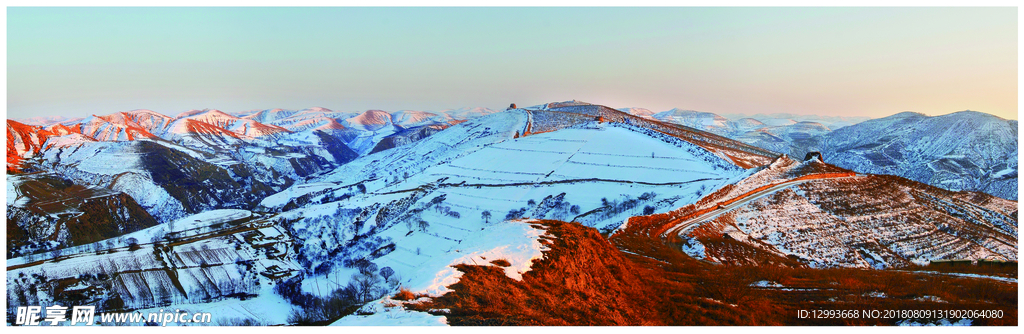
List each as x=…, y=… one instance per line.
x=313, y=109
x=907, y=114
x=572, y=103
x=974, y=114
x=682, y=111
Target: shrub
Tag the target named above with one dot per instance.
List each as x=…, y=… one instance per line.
x=404, y=294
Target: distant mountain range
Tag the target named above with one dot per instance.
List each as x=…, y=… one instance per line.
x=192, y=162
x=965, y=150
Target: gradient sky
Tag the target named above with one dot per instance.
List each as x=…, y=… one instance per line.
x=828, y=61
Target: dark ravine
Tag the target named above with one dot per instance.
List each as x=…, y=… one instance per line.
x=406, y=137
x=83, y=216
x=197, y=184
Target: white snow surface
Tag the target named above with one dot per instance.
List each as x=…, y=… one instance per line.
x=209, y=218
x=766, y=284
x=268, y=308
x=998, y=278
x=432, y=271
x=387, y=312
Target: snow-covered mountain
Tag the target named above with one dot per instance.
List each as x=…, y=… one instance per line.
x=740, y=153
x=313, y=118
x=463, y=114
x=270, y=115
x=197, y=161
x=868, y=221
x=960, y=151
x=23, y=140
x=43, y=120
x=412, y=118
x=642, y=112
x=242, y=127
x=371, y=120
x=965, y=150
x=782, y=119
x=212, y=131
x=703, y=121
x=400, y=212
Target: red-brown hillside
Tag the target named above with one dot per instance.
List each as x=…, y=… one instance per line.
x=584, y=280
x=22, y=138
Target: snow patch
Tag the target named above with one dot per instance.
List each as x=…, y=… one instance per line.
x=208, y=218
x=693, y=248
x=515, y=241
x=766, y=284
x=387, y=312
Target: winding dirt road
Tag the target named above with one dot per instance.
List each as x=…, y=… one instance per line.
x=683, y=224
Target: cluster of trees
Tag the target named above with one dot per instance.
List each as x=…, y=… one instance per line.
x=418, y=224
x=330, y=239
x=245, y=287
x=555, y=207
x=413, y=217
x=447, y=211
x=552, y=206
x=349, y=254
x=369, y=284
x=516, y=213
x=612, y=208
x=398, y=210
x=544, y=121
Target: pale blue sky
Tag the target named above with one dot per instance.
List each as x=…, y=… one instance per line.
x=836, y=61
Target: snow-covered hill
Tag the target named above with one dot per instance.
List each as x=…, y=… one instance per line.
x=43, y=120
x=867, y=221
x=960, y=151
x=371, y=120
x=966, y=150
x=412, y=118
x=642, y=112
x=783, y=119
x=267, y=116
x=456, y=196
x=695, y=119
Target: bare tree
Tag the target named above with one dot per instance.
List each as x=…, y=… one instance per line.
x=367, y=284
x=486, y=215
x=386, y=272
